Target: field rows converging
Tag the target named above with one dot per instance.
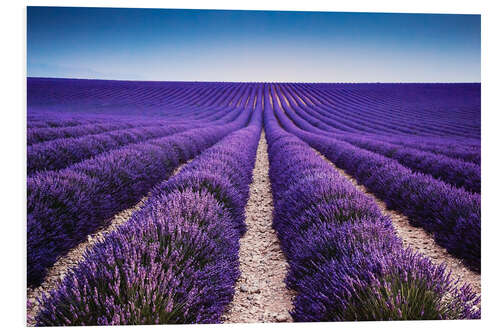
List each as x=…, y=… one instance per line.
x=452, y=214
x=220, y=202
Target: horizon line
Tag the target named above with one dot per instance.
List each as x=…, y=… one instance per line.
x=209, y=81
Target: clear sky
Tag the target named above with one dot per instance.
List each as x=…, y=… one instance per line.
x=213, y=45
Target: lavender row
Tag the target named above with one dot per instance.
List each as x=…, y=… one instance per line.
x=421, y=109
x=338, y=120
x=452, y=171
x=47, y=134
x=334, y=119
x=43, y=93
x=468, y=150
x=59, y=123
x=346, y=262
x=65, y=206
x=175, y=260
x=37, y=135
x=455, y=172
x=60, y=153
x=468, y=153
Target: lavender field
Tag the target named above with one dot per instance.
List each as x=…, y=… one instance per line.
x=219, y=202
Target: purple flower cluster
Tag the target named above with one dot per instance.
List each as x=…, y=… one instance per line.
x=176, y=259
x=65, y=206
x=346, y=262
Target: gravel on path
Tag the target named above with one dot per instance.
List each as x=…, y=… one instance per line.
x=261, y=295
x=64, y=264
x=420, y=240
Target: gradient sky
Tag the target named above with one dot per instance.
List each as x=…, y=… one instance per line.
x=213, y=45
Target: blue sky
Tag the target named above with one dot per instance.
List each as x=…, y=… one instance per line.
x=210, y=45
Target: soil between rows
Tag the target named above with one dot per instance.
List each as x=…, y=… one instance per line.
x=261, y=295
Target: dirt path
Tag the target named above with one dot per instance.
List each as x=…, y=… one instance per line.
x=420, y=240
x=261, y=294
x=62, y=266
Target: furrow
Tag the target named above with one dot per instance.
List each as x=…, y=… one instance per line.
x=261, y=294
